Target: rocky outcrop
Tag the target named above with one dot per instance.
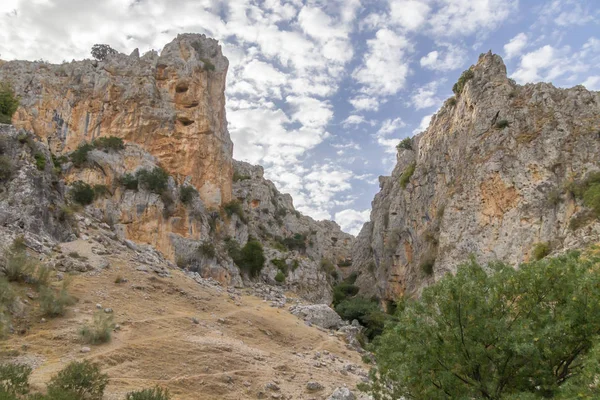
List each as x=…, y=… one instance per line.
x=318, y=314
x=489, y=178
x=313, y=254
x=31, y=195
x=172, y=105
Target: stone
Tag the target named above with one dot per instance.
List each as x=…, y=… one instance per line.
x=272, y=386
x=85, y=349
x=342, y=393
x=108, y=310
x=318, y=314
x=313, y=386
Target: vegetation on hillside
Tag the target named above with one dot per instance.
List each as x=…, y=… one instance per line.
x=9, y=103
x=495, y=332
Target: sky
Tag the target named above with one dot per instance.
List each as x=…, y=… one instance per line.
x=319, y=92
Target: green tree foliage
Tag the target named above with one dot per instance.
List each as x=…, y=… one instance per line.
x=101, y=51
x=366, y=311
x=234, y=207
x=81, y=378
x=497, y=333
x=462, y=81
x=82, y=193
x=280, y=276
x=14, y=379
x=109, y=143
x=9, y=103
x=405, y=144
x=250, y=258
x=155, y=180
x=80, y=154
x=129, y=181
x=187, y=194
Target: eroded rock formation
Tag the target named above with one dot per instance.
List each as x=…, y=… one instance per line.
x=491, y=178
x=172, y=105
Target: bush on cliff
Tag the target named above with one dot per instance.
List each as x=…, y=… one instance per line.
x=9, y=103
x=498, y=333
x=155, y=180
x=250, y=258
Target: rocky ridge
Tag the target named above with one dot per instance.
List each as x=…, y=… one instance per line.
x=491, y=177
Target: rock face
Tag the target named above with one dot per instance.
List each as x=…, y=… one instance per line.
x=491, y=177
x=318, y=314
x=314, y=253
x=31, y=195
x=172, y=105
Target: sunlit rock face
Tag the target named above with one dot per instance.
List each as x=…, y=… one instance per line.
x=172, y=105
x=491, y=178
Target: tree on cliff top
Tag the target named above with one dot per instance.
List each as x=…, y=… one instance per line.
x=101, y=51
x=497, y=333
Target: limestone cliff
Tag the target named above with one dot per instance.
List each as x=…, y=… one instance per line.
x=490, y=178
x=316, y=253
x=172, y=105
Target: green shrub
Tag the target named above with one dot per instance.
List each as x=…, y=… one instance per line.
x=155, y=181
x=110, y=143
x=280, y=264
x=100, y=331
x=540, y=250
x=53, y=304
x=187, y=194
x=462, y=81
x=296, y=242
x=9, y=103
x=497, y=332
x=18, y=266
x=407, y=174
x=82, y=193
x=40, y=161
x=82, y=378
x=14, y=378
x=249, y=258
x=405, y=144
x=280, y=277
x=427, y=265
x=6, y=168
x=129, y=181
x=80, y=154
x=42, y=277
x=554, y=197
x=502, y=124
x=207, y=249
x=366, y=311
x=7, y=295
x=100, y=191
x=451, y=101
x=156, y=393
x=591, y=198
x=234, y=207
x=239, y=177
x=208, y=66
x=342, y=291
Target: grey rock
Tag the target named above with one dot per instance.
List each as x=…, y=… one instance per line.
x=318, y=314
x=314, y=386
x=342, y=393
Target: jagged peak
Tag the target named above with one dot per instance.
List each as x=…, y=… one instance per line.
x=490, y=64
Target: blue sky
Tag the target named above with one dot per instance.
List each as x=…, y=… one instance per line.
x=320, y=92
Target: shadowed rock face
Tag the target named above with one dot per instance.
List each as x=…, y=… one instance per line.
x=490, y=181
x=172, y=105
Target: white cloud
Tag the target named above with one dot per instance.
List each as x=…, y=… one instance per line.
x=351, y=221
x=569, y=12
x=384, y=68
x=453, y=57
x=426, y=96
x=353, y=120
x=592, y=83
x=409, y=14
x=365, y=103
x=387, y=128
x=423, y=125
x=466, y=17
x=515, y=46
